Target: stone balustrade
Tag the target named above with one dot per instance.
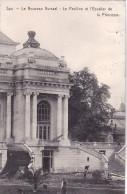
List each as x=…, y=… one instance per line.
x=98, y=145
x=48, y=143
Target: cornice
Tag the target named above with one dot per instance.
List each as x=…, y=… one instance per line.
x=39, y=68
x=33, y=66
x=36, y=57
x=39, y=84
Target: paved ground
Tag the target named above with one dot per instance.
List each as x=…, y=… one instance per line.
x=76, y=185
x=12, y=190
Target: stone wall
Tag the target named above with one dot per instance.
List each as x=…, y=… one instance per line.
x=68, y=159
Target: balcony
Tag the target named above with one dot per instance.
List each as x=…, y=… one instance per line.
x=50, y=143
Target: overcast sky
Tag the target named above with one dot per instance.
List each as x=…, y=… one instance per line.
x=85, y=39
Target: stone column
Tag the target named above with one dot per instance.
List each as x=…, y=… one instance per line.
x=59, y=115
x=8, y=124
x=34, y=115
x=27, y=115
x=65, y=123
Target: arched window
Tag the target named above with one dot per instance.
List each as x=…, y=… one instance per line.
x=43, y=112
x=43, y=120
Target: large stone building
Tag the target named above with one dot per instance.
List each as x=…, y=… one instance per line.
x=34, y=92
x=117, y=124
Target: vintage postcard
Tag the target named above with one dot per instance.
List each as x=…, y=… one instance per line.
x=62, y=96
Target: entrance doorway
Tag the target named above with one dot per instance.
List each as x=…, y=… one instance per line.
x=47, y=160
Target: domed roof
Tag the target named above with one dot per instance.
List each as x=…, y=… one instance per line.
x=31, y=46
x=38, y=52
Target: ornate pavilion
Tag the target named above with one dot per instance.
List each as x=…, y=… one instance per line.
x=34, y=92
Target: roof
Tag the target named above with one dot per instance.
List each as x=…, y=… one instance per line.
x=38, y=52
x=119, y=115
x=4, y=39
x=118, y=126
x=119, y=123
x=32, y=47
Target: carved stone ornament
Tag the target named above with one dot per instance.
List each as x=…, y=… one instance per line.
x=31, y=42
x=26, y=93
x=31, y=58
x=8, y=61
x=62, y=63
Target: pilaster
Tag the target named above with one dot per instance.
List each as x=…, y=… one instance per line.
x=59, y=115
x=65, y=107
x=27, y=114
x=34, y=115
x=8, y=122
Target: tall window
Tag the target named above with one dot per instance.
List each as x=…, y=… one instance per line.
x=43, y=120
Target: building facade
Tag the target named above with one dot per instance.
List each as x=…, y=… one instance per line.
x=34, y=92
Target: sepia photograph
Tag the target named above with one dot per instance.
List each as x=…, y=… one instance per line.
x=62, y=96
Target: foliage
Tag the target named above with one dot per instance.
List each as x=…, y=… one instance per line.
x=89, y=111
x=36, y=177
x=97, y=174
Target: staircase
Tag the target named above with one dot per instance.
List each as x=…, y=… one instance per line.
x=17, y=155
x=91, y=151
x=115, y=166
x=120, y=156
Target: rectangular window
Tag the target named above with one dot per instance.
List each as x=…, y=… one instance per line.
x=51, y=162
x=44, y=135
x=37, y=132
x=87, y=159
x=40, y=133
x=46, y=153
x=102, y=152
